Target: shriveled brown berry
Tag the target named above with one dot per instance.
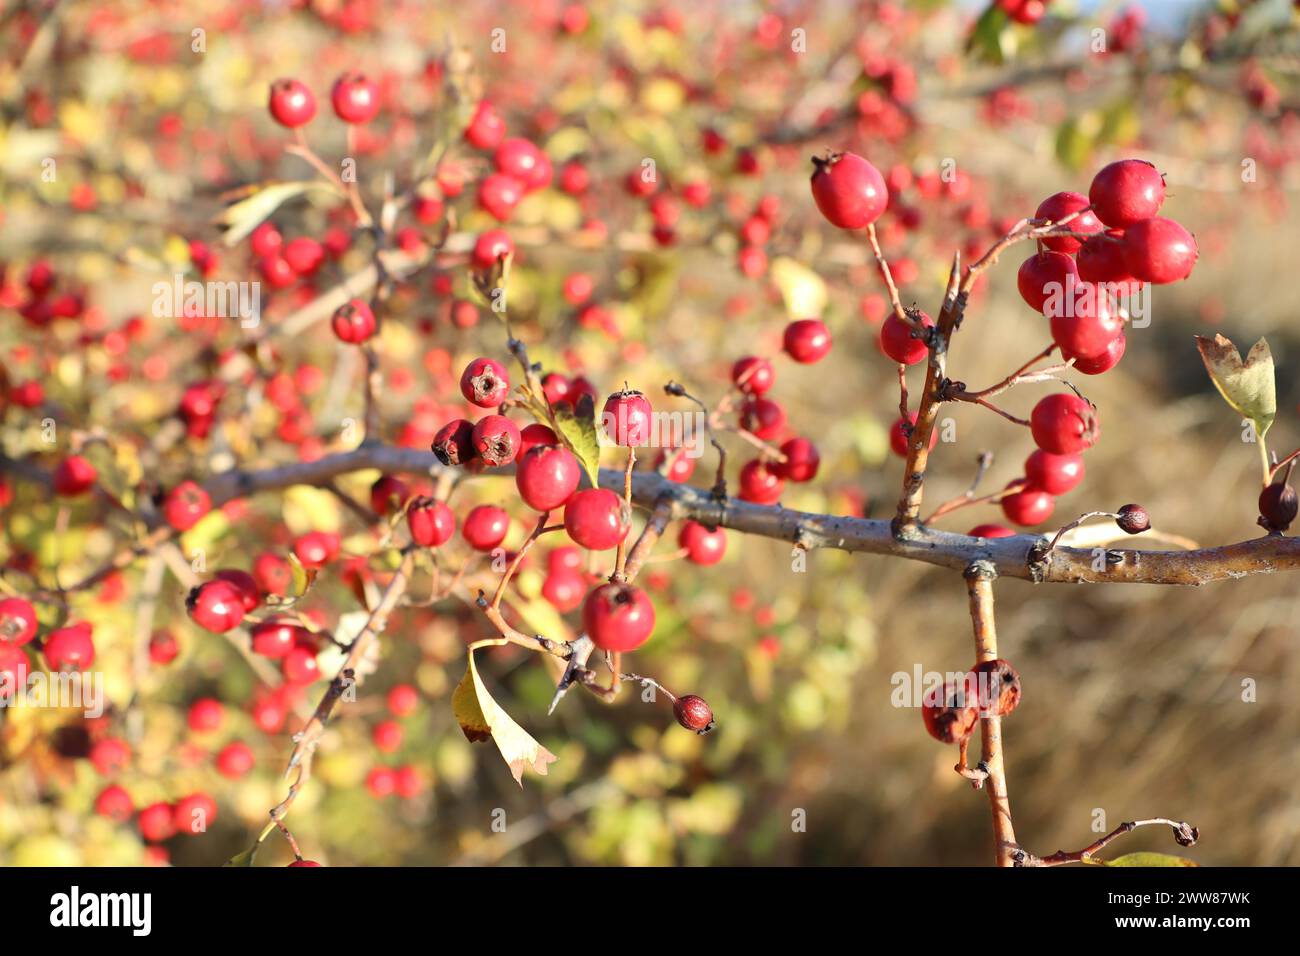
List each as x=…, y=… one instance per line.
x=693, y=714
x=1277, y=506
x=1133, y=519
x=998, y=686
x=950, y=715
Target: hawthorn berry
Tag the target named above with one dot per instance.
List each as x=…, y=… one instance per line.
x=115, y=803
x=1041, y=274
x=387, y=495
x=17, y=621
x=618, y=617
x=950, y=713
x=273, y=574
x=163, y=647
x=215, y=606
x=454, y=443
x=547, y=476
x=801, y=460
x=900, y=435
x=1101, y=363
x=1126, y=192
x=402, y=700
x=499, y=194
x=185, y=505
x=1101, y=260
x=491, y=246
x=1055, y=474
x=807, y=340
x=1159, y=250
x=300, y=666
x=14, y=668
x=991, y=531
x=597, y=519
x=381, y=782
x=430, y=522
x=1059, y=205
x=674, y=464
x=291, y=103
x=1133, y=519
x=1028, y=506
x=998, y=687
x=524, y=161
x=316, y=549
x=564, y=589
x=307, y=863
x=556, y=388
x=485, y=383
x=355, y=98
x=353, y=322
x=244, y=583
x=73, y=476
x=496, y=440
x=903, y=342
x=486, y=128
x=485, y=527
x=275, y=637
x=235, y=760
x=760, y=484
x=849, y=191
x=626, y=418
x=1064, y=423
x=110, y=755
x=387, y=736
x=192, y=814
x=1085, y=326
x=693, y=714
x=156, y=822
x=703, y=546
x=1277, y=506
x=531, y=436
x=753, y=375
x=205, y=715
x=762, y=417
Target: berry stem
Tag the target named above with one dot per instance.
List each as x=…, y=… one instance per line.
x=1184, y=833
x=883, y=265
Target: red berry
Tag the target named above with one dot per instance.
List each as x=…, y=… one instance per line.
x=991, y=531
x=1101, y=363
x=693, y=713
x=1159, y=250
x=546, y=476
x=1059, y=205
x=578, y=287
x=17, y=621
x=430, y=522
x=70, y=647
x=1085, y=321
x=485, y=527
x=402, y=700
x=760, y=484
x=387, y=736
x=156, y=822
x=1133, y=519
x=353, y=322
x=355, y=98
x=1055, y=474
x=531, y=436
x=381, y=782
x=618, y=617
x=110, y=755
x=556, y=388
x=205, y=715
x=680, y=469
x=273, y=574
x=115, y=803
x=304, y=255
x=185, y=505
x=900, y=438
x=291, y=103
x=597, y=519
x=275, y=638
x=387, y=495
x=486, y=128
x=245, y=584
x=703, y=546
x=564, y=589
x=762, y=417
x=951, y=714
x=490, y=246
x=849, y=191
x=901, y=342
x=316, y=548
x=454, y=443
x=801, y=460
x=74, y=476
x=997, y=686
x=1126, y=192
x=525, y=162
x=163, y=647
x=485, y=383
x=807, y=340
x=1101, y=260
x=235, y=760
x=194, y=813
x=499, y=194
x=752, y=375
x=300, y=666
x=496, y=440
x=14, y=668
x=1064, y=424
x=626, y=418
x=1029, y=506
x=1043, y=273
x=216, y=606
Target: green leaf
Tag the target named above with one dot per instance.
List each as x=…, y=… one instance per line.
x=245, y=858
x=481, y=717
x=302, y=578
x=579, y=434
x=241, y=218
x=1248, y=386
x=992, y=39
x=1146, y=859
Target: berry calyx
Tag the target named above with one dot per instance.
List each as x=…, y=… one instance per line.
x=807, y=341
x=496, y=440
x=1126, y=192
x=618, y=617
x=17, y=621
x=430, y=522
x=849, y=191
x=626, y=418
x=693, y=714
x=453, y=444
x=291, y=103
x=597, y=519
x=353, y=322
x=950, y=713
x=1064, y=424
x=546, y=476
x=485, y=383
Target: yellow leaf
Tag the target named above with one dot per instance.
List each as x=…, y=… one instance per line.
x=310, y=509
x=480, y=717
x=1246, y=386
x=802, y=289
x=242, y=217
x=1147, y=859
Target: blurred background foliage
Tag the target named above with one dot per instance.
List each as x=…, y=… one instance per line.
x=1132, y=698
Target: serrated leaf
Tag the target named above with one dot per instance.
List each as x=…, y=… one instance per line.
x=481, y=717
x=803, y=290
x=579, y=434
x=1147, y=859
x=242, y=217
x=1249, y=386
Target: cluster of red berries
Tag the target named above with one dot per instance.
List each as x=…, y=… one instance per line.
x=354, y=96
x=991, y=689
x=70, y=647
